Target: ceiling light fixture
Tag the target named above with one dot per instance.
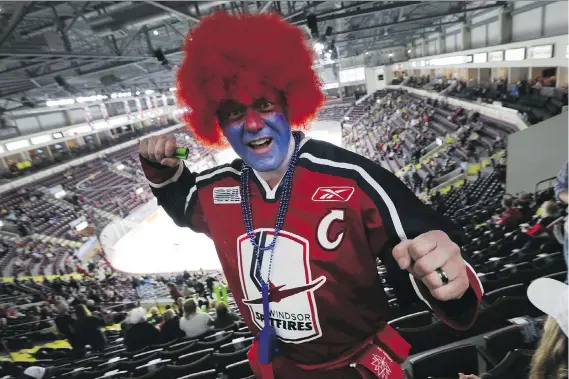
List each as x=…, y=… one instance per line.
x=55, y=103
x=149, y=91
x=155, y=32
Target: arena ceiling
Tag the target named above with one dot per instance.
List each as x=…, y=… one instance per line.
x=59, y=49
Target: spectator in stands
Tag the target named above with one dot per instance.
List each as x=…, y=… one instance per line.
x=209, y=284
x=538, y=85
x=180, y=304
x=561, y=194
x=511, y=216
x=137, y=287
x=36, y=372
x=66, y=324
x=171, y=327
x=550, y=359
x=194, y=323
x=549, y=212
x=223, y=317
x=417, y=181
x=88, y=329
x=174, y=291
x=524, y=203
x=140, y=333
x=155, y=317
x=516, y=90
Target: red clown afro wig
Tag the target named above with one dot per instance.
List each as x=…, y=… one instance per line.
x=245, y=58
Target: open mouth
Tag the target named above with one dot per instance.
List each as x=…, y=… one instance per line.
x=260, y=144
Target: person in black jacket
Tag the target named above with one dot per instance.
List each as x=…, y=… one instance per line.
x=140, y=334
x=224, y=318
x=66, y=324
x=171, y=327
x=88, y=329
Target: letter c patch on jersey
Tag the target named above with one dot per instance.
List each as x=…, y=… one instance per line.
x=323, y=237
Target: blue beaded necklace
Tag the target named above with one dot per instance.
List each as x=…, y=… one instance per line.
x=283, y=204
x=267, y=335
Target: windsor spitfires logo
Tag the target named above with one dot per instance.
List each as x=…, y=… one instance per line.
x=293, y=309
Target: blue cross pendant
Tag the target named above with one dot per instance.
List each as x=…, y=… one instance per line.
x=268, y=335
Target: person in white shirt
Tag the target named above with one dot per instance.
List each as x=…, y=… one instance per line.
x=194, y=323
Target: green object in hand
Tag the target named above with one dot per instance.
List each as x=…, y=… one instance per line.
x=181, y=153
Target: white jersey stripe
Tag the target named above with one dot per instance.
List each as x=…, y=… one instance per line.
x=388, y=202
x=375, y=185
x=173, y=179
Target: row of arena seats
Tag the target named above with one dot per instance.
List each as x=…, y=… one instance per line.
x=62, y=154
x=96, y=192
x=538, y=103
x=334, y=111
x=401, y=127
x=214, y=352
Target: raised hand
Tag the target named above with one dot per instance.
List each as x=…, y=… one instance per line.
x=160, y=149
x=435, y=260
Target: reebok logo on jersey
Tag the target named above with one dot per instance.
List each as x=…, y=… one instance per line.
x=226, y=195
x=333, y=194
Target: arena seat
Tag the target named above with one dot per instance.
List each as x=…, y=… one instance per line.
x=216, y=343
x=514, y=366
x=446, y=363
x=428, y=337
x=208, y=374
x=192, y=357
x=184, y=350
x=238, y=343
x=413, y=320
x=222, y=360
x=239, y=370
x=499, y=343
x=515, y=290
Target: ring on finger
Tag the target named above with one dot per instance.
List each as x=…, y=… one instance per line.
x=443, y=276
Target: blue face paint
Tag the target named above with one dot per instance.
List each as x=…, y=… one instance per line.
x=274, y=125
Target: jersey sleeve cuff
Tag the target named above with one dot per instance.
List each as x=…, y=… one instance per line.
x=158, y=175
x=458, y=314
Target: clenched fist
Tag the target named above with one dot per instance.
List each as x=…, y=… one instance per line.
x=422, y=256
x=159, y=149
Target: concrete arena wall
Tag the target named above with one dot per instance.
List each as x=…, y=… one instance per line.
x=536, y=154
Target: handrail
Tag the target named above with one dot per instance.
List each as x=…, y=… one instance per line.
x=31, y=322
x=10, y=299
x=485, y=201
x=543, y=181
x=53, y=318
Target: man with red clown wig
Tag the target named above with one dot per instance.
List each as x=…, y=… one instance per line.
x=298, y=224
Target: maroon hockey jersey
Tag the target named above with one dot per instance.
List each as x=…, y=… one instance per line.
x=345, y=212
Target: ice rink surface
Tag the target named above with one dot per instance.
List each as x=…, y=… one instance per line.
x=157, y=245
